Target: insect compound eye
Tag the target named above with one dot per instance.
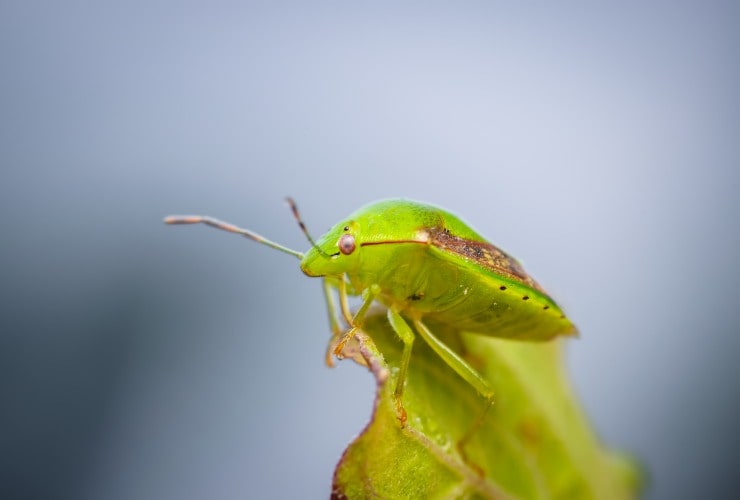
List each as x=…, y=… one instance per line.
x=347, y=244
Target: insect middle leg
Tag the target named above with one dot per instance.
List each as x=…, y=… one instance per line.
x=406, y=334
x=457, y=363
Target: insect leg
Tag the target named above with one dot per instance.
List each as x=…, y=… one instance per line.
x=343, y=303
x=336, y=329
x=358, y=319
x=406, y=334
x=468, y=373
x=331, y=306
x=455, y=362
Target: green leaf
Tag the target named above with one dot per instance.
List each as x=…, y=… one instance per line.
x=534, y=442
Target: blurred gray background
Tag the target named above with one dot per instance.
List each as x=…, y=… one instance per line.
x=597, y=144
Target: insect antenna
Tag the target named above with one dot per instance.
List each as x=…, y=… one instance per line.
x=297, y=215
x=225, y=226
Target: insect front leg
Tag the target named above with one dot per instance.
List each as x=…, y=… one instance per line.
x=357, y=320
x=336, y=328
x=343, y=302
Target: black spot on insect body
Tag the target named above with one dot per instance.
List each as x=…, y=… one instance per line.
x=416, y=296
x=526, y=297
x=502, y=288
x=546, y=308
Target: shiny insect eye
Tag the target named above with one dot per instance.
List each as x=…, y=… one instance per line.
x=347, y=244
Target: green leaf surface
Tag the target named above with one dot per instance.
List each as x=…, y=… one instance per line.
x=534, y=442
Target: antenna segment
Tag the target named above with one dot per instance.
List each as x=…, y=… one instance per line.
x=225, y=226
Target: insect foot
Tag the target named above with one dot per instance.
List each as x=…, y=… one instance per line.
x=347, y=346
x=342, y=342
x=401, y=412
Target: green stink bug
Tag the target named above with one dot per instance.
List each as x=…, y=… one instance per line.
x=422, y=263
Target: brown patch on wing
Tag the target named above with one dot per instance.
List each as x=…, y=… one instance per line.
x=484, y=254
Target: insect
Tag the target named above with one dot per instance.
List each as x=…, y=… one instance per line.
x=423, y=263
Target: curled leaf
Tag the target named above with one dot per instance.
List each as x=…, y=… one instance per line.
x=534, y=442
